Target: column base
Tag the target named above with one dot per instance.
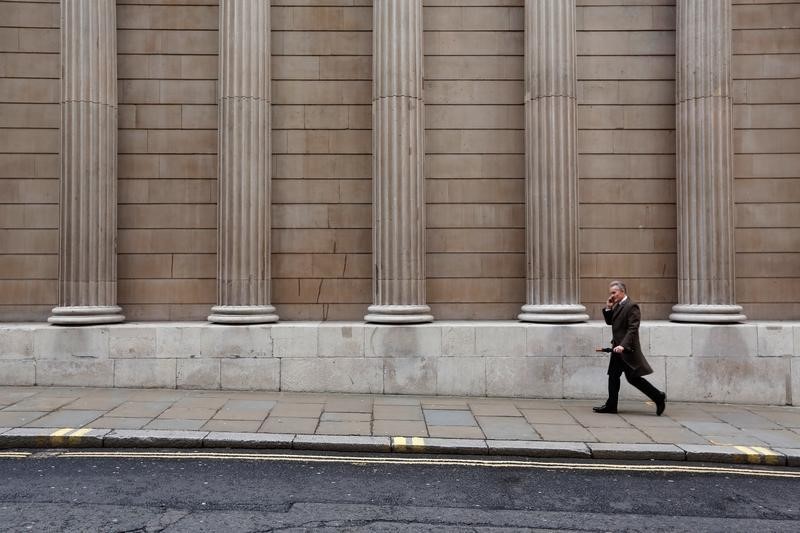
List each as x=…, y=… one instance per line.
x=707, y=314
x=398, y=314
x=86, y=315
x=243, y=314
x=553, y=314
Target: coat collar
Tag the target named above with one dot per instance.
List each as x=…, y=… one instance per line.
x=619, y=307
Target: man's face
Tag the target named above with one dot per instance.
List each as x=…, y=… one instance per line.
x=614, y=294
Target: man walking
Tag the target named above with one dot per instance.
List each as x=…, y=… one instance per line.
x=623, y=316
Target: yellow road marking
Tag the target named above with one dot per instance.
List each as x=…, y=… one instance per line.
x=430, y=461
x=770, y=457
x=80, y=432
x=408, y=443
x=752, y=455
x=61, y=432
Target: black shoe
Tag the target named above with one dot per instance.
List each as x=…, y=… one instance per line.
x=605, y=408
x=661, y=404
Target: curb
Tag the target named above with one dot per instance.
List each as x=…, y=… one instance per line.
x=125, y=438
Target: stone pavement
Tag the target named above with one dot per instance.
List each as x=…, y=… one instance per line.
x=105, y=417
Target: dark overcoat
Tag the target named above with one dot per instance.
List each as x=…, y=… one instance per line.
x=624, y=320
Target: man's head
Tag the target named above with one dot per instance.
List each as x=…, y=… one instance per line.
x=616, y=291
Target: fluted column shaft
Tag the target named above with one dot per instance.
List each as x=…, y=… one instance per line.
x=398, y=201
x=704, y=157
x=551, y=179
x=243, y=232
x=87, y=272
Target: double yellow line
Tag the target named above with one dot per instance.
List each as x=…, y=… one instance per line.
x=435, y=461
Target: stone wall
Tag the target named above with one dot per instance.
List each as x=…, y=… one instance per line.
x=751, y=363
x=321, y=236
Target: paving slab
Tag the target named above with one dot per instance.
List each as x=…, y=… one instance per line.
x=65, y=419
x=548, y=416
x=110, y=422
x=344, y=428
x=397, y=412
x=506, y=427
x=494, y=409
x=248, y=440
x=449, y=417
x=41, y=403
x=563, y=432
x=19, y=418
x=139, y=409
x=297, y=410
x=175, y=423
x=456, y=432
x=239, y=426
x=409, y=428
x=349, y=405
x=659, y=452
x=345, y=417
x=620, y=435
x=275, y=424
x=538, y=448
x=133, y=438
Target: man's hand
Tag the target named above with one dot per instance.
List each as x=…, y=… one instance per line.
x=610, y=302
x=618, y=349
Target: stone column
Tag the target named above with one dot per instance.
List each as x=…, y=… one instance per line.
x=87, y=269
x=245, y=155
x=704, y=155
x=398, y=201
x=551, y=161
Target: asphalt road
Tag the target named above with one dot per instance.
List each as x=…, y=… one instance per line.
x=225, y=491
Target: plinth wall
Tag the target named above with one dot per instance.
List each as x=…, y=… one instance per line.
x=474, y=163
x=757, y=363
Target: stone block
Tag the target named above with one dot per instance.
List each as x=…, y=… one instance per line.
x=403, y=341
x=435, y=445
x=204, y=340
x=16, y=342
x=56, y=342
x=775, y=340
x=248, y=440
x=250, y=374
x=409, y=375
x=507, y=340
x=145, y=373
x=756, y=380
x=75, y=373
x=565, y=340
x=198, y=374
x=667, y=338
x=585, y=377
x=724, y=341
x=536, y=377
x=342, y=443
x=461, y=376
x=153, y=438
x=538, y=448
x=458, y=339
x=294, y=340
x=637, y=452
x=335, y=340
x=339, y=374
x=130, y=341
x=19, y=373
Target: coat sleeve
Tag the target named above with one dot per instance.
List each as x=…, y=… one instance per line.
x=632, y=331
x=607, y=314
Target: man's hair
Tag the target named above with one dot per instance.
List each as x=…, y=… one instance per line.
x=618, y=284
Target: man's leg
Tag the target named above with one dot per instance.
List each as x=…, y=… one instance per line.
x=615, y=370
x=658, y=397
x=645, y=386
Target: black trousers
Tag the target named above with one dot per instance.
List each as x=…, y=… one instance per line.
x=616, y=368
